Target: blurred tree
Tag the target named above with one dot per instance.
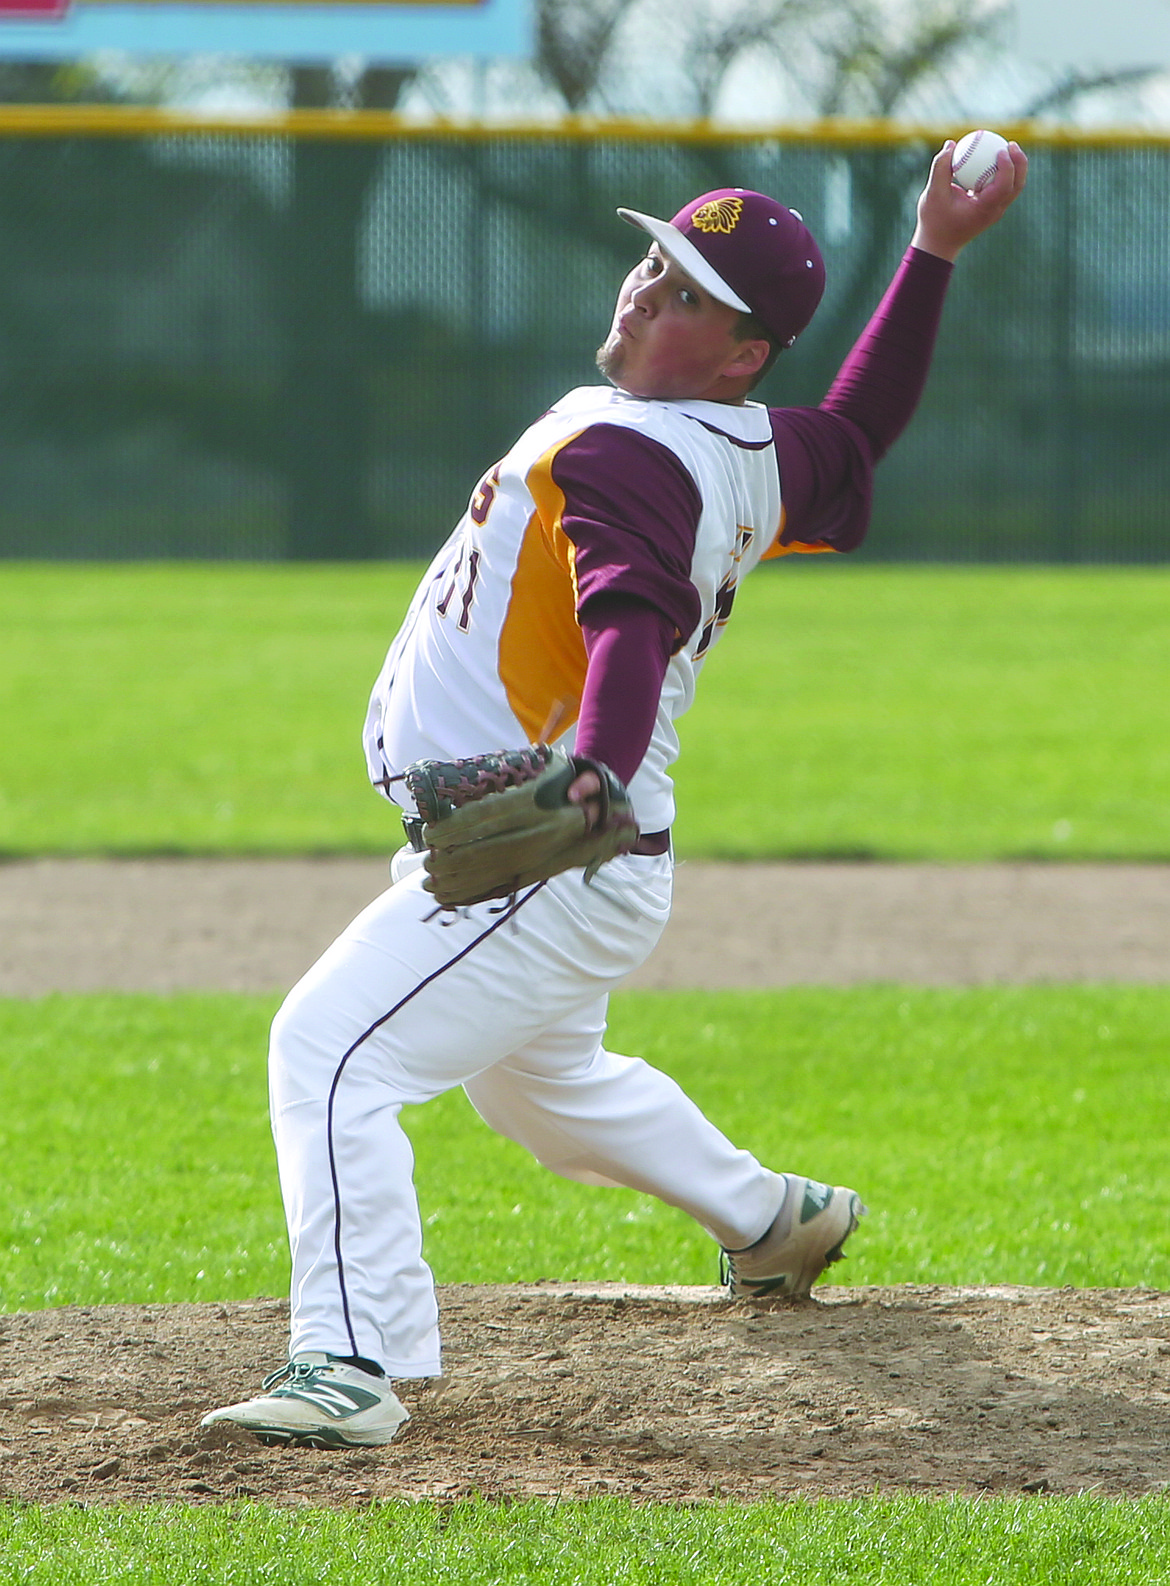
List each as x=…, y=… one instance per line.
x=868, y=59
x=878, y=58
x=857, y=65
x=716, y=40
x=574, y=41
x=1073, y=86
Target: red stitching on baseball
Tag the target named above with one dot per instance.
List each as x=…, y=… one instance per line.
x=969, y=155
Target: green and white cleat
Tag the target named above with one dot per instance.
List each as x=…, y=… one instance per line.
x=810, y=1229
x=318, y=1401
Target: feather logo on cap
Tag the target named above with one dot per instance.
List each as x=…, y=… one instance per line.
x=721, y=214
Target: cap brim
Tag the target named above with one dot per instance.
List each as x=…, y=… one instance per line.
x=684, y=253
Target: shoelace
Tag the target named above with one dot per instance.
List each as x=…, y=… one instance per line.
x=291, y=1372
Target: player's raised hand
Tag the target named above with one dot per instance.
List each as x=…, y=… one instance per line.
x=949, y=218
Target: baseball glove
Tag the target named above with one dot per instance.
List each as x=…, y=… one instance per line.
x=495, y=823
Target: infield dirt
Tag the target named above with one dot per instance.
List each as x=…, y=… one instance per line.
x=256, y=925
x=652, y=1393
x=574, y=1389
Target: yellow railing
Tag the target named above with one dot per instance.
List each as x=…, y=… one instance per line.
x=112, y=121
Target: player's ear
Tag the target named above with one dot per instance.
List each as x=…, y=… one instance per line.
x=748, y=359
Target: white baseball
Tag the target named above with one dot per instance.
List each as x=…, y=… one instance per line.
x=973, y=160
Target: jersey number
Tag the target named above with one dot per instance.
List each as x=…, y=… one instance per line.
x=725, y=595
x=468, y=578
x=466, y=569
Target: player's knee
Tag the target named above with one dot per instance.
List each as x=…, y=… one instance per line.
x=298, y=1036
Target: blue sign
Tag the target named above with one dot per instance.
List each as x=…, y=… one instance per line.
x=389, y=32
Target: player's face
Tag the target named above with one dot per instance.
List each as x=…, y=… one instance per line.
x=670, y=340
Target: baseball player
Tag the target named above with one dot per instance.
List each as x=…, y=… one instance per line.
x=594, y=567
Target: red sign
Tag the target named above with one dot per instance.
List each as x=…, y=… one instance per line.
x=32, y=10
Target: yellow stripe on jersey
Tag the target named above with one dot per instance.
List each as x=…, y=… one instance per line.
x=542, y=653
x=796, y=547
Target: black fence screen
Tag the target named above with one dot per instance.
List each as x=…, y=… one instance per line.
x=244, y=345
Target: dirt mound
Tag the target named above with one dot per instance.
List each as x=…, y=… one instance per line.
x=655, y=1393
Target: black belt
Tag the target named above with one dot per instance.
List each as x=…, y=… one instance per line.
x=649, y=843
x=652, y=843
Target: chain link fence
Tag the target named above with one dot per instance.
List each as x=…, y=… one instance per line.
x=248, y=343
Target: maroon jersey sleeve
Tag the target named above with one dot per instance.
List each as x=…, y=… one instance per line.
x=631, y=510
x=827, y=454
x=629, y=644
x=826, y=480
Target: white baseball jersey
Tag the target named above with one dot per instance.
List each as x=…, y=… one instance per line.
x=491, y=647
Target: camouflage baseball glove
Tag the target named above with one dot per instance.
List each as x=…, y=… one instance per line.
x=495, y=823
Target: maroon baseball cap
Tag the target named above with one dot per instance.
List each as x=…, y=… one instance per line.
x=749, y=252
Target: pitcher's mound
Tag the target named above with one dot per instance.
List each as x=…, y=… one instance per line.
x=654, y=1393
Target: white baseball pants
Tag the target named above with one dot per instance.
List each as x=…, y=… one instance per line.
x=510, y=1003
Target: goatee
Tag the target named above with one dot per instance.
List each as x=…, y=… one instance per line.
x=609, y=359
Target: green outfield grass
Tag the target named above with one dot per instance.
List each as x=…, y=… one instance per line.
x=1080, y=1541
x=915, y=712
x=1000, y=1136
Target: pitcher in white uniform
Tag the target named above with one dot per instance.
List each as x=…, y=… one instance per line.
x=594, y=567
